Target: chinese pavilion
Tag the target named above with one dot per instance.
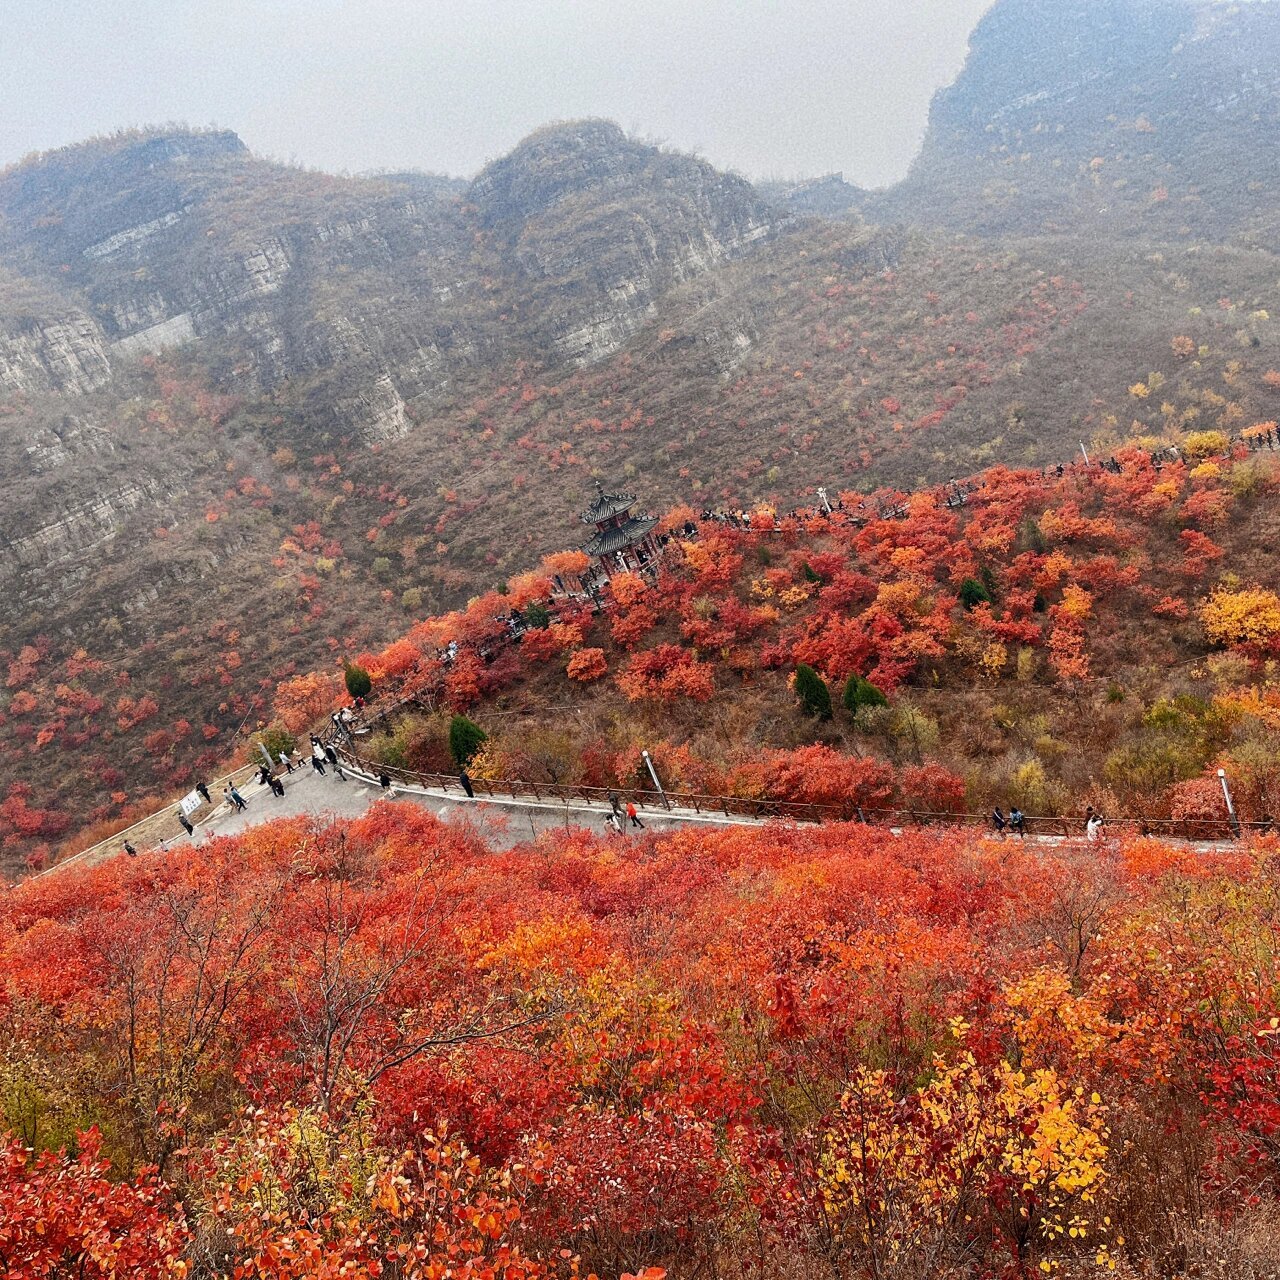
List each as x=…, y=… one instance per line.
x=623, y=542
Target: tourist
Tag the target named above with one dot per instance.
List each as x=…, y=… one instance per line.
x=130, y=850
x=204, y=791
x=276, y=786
x=633, y=815
x=186, y=824
x=1093, y=829
x=234, y=797
x=284, y=760
x=615, y=804
x=465, y=779
x=998, y=820
x=1017, y=822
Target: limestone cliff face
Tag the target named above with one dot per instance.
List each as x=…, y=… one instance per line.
x=380, y=291
x=66, y=353
x=600, y=226
x=1139, y=117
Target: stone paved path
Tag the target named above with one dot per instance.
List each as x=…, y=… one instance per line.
x=502, y=823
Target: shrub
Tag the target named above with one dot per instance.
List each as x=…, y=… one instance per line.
x=587, y=665
x=465, y=739
x=973, y=593
x=277, y=740
x=859, y=692
x=359, y=683
x=1248, y=620
x=813, y=693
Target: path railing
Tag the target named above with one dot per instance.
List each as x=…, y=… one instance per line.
x=762, y=809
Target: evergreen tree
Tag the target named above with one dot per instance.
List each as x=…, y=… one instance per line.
x=859, y=692
x=465, y=739
x=973, y=593
x=813, y=693
x=359, y=683
x=537, y=617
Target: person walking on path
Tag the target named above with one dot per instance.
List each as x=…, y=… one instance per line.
x=130, y=850
x=633, y=816
x=330, y=754
x=276, y=786
x=317, y=757
x=384, y=781
x=616, y=805
x=465, y=779
x=999, y=821
x=232, y=796
x=1093, y=829
x=612, y=824
x=186, y=824
x=203, y=789
x=1017, y=822
x=284, y=760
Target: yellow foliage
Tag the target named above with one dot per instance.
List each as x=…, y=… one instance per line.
x=1248, y=618
x=1076, y=604
x=1200, y=444
x=891, y=1168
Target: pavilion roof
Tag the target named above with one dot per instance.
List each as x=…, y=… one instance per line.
x=609, y=541
x=607, y=506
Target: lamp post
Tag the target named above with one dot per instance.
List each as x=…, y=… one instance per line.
x=1231, y=809
x=653, y=773
x=822, y=493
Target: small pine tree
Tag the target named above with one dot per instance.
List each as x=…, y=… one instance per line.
x=859, y=692
x=537, y=617
x=809, y=572
x=276, y=739
x=465, y=739
x=1030, y=537
x=813, y=693
x=359, y=683
x=973, y=593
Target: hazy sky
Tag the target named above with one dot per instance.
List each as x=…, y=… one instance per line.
x=770, y=87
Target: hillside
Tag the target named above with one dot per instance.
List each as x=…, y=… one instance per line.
x=1101, y=636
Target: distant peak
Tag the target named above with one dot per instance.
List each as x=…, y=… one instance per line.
x=172, y=144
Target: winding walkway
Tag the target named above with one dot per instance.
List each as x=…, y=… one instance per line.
x=502, y=822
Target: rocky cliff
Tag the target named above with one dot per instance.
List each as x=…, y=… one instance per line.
x=1134, y=117
x=382, y=290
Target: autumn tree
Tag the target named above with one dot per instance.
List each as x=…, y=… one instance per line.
x=306, y=699
x=1247, y=619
